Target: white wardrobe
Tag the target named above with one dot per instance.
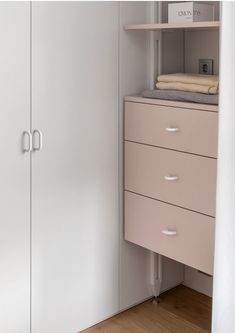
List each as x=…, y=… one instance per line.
x=59, y=215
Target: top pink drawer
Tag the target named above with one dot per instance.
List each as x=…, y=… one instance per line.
x=176, y=128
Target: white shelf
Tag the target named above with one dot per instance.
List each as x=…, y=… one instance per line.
x=172, y=26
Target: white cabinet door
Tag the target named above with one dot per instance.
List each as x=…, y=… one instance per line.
x=15, y=168
x=75, y=276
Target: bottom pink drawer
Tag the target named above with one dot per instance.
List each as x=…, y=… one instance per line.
x=174, y=232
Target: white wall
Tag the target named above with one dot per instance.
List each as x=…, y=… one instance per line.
x=133, y=78
x=224, y=270
x=201, y=46
x=172, y=273
x=173, y=56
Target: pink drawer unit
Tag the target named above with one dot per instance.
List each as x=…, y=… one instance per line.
x=189, y=130
x=177, y=233
x=178, y=178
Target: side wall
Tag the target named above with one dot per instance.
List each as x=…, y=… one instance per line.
x=133, y=78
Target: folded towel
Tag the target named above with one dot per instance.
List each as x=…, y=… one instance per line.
x=207, y=80
x=204, y=89
x=183, y=96
x=205, y=84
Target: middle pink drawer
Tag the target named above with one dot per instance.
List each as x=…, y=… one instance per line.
x=181, y=179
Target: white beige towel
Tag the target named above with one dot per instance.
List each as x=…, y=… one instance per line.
x=211, y=90
x=206, y=84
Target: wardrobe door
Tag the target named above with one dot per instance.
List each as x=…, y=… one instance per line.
x=15, y=168
x=75, y=279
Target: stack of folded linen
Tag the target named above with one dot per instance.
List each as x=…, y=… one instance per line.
x=198, y=83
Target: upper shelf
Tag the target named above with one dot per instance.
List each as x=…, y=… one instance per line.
x=172, y=26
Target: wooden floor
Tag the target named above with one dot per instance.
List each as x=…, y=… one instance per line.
x=181, y=310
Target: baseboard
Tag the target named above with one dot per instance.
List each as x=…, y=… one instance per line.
x=198, y=281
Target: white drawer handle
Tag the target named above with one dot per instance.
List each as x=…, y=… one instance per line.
x=169, y=232
x=171, y=178
x=172, y=129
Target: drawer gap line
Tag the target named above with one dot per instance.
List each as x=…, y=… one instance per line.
x=179, y=151
x=168, y=203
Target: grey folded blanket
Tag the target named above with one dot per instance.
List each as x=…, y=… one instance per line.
x=182, y=96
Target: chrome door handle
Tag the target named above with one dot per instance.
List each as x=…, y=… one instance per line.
x=37, y=140
x=172, y=129
x=171, y=178
x=26, y=142
x=168, y=232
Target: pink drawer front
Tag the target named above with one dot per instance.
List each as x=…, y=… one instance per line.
x=174, y=232
x=181, y=129
x=181, y=179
